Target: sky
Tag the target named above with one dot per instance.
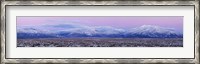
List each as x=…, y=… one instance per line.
x=114, y=21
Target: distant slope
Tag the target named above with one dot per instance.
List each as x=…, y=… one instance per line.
x=76, y=30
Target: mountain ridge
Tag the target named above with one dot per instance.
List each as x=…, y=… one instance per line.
x=75, y=30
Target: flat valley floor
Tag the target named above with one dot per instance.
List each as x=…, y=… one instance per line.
x=101, y=42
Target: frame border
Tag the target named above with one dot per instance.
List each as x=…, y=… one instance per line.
x=99, y=60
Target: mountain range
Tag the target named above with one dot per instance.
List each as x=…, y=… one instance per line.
x=76, y=30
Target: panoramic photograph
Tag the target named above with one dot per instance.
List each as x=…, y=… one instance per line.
x=99, y=31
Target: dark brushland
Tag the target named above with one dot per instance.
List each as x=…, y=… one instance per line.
x=101, y=42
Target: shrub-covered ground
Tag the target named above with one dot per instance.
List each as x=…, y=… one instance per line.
x=101, y=42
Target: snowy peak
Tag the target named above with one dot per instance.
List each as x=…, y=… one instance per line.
x=154, y=31
x=108, y=30
x=76, y=30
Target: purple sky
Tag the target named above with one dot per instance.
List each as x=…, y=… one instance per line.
x=114, y=21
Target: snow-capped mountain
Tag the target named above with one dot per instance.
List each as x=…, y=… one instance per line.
x=108, y=30
x=153, y=32
x=77, y=30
